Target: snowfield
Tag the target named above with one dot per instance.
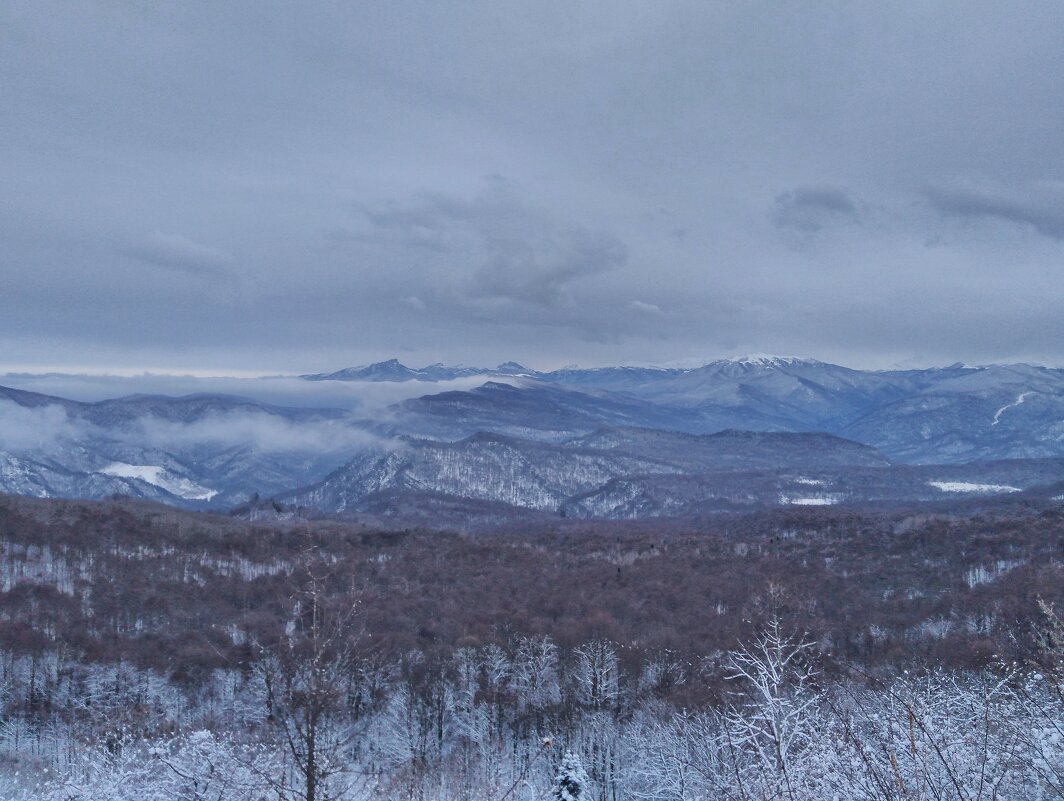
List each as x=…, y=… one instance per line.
x=808, y=501
x=162, y=478
x=965, y=486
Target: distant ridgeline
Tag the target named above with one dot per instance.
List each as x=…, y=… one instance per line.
x=617, y=442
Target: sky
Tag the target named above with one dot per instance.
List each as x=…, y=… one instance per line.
x=261, y=188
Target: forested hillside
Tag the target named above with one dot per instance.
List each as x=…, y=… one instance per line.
x=195, y=656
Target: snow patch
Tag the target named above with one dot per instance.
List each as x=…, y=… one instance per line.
x=965, y=486
x=821, y=501
x=162, y=478
x=771, y=360
x=997, y=415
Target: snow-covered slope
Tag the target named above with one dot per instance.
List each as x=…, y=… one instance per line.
x=686, y=495
x=949, y=414
x=394, y=370
x=545, y=476
x=162, y=478
x=191, y=450
x=486, y=467
x=218, y=450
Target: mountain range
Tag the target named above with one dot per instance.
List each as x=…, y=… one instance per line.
x=948, y=414
x=613, y=441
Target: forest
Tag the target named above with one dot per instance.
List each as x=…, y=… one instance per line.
x=876, y=652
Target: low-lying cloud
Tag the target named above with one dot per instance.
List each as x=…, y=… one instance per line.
x=36, y=429
x=349, y=410
x=369, y=398
x=261, y=432
x=48, y=430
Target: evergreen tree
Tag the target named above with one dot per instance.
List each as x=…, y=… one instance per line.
x=571, y=783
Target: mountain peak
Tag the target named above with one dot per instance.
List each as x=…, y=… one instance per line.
x=389, y=370
x=770, y=360
x=514, y=368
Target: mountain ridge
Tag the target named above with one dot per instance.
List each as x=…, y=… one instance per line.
x=217, y=449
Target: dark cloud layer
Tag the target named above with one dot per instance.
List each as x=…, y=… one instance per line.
x=264, y=187
x=809, y=208
x=175, y=252
x=494, y=245
x=1044, y=214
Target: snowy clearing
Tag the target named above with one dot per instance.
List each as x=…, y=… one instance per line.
x=808, y=501
x=160, y=477
x=965, y=486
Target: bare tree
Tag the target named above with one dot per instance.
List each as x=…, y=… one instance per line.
x=776, y=717
x=307, y=677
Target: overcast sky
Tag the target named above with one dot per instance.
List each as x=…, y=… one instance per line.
x=228, y=187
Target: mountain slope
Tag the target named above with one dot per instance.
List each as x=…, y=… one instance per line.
x=630, y=423
x=734, y=450
x=529, y=408
x=190, y=450
x=948, y=414
x=682, y=496
x=1014, y=411
x=486, y=467
x=544, y=476
x=394, y=370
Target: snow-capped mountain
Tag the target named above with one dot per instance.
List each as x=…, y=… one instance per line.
x=641, y=425
x=954, y=413
x=996, y=412
x=394, y=370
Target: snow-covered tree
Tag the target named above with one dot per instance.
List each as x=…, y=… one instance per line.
x=535, y=672
x=596, y=674
x=571, y=782
x=775, y=716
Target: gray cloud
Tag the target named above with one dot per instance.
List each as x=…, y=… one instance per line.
x=646, y=149
x=1042, y=211
x=176, y=252
x=809, y=209
x=414, y=302
x=539, y=270
x=640, y=307
x=516, y=252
